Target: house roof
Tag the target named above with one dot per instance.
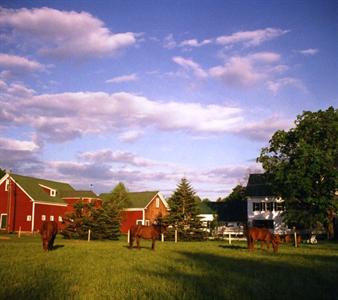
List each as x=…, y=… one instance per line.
x=259, y=185
x=33, y=187
x=136, y=199
x=78, y=194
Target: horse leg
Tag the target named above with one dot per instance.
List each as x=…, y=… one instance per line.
x=153, y=244
x=131, y=242
x=138, y=242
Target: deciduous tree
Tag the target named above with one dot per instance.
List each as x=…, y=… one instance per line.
x=302, y=164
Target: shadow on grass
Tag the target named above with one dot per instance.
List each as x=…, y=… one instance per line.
x=232, y=247
x=248, y=277
x=56, y=247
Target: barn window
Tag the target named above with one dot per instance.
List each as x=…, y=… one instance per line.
x=139, y=222
x=6, y=185
x=51, y=218
x=43, y=217
x=60, y=219
x=147, y=223
x=52, y=193
x=29, y=218
x=157, y=202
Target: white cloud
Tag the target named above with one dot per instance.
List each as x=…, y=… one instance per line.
x=309, y=52
x=19, y=63
x=189, y=64
x=130, y=136
x=17, y=145
x=250, y=38
x=238, y=71
x=276, y=85
x=123, y=78
x=169, y=42
x=194, y=43
x=65, y=33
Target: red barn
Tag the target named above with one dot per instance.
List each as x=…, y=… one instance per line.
x=27, y=201
x=143, y=208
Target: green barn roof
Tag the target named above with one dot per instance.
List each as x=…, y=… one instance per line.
x=136, y=199
x=33, y=187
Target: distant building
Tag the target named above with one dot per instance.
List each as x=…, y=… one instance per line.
x=143, y=208
x=25, y=202
x=264, y=209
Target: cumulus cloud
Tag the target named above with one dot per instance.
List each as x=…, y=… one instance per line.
x=15, y=62
x=169, y=42
x=130, y=136
x=189, y=64
x=65, y=33
x=123, y=78
x=66, y=116
x=250, y=38
x=109, y=156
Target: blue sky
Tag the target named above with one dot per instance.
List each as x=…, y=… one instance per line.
x=146, y=92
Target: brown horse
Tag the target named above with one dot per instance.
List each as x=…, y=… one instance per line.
x=264, y=236
x=152, y=232
x=48, y=231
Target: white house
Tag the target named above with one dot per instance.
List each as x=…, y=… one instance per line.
x=264, y=209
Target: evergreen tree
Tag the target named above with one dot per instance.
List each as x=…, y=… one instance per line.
x=183, y=208
x=79, y=221
x=2, y=173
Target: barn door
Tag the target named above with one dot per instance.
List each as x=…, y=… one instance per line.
x=3, y=221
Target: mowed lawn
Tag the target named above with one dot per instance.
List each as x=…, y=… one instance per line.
x=186, y=270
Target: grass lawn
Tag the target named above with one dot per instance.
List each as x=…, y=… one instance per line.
x=186, y=270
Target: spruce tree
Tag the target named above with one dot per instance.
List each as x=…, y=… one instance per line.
x=184, y=208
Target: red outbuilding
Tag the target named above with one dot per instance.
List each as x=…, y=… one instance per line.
x=27, y=201
x=143, y=208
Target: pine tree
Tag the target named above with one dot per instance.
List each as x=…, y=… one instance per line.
x=183, y=208
x=79, y=221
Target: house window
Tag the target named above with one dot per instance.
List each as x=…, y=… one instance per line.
x=60, y=219
x=29, y=218
x=280, y=206
x=139, y=222
x=157, y=202
x=6, y=185
x=269, y=206
x=51, y=218
x=147, y=222
x=256, y=206
x=43, y=217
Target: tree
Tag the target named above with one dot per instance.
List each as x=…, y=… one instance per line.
x=184, y=208
x=2, y=173
x=302, y=165
x=79, y=221
x=108, y=217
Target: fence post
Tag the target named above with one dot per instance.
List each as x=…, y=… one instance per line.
x=175, y=235
x=89, y=232
x=19, y=233
x=128, y=237
x=229, y=238
x=295, y=236
x=162, y=237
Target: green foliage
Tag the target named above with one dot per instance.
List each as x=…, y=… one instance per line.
x=119, y=196
x=184, y=208
x=2, y=173
x=235, y=206
x=79, y=221
x=302, y=164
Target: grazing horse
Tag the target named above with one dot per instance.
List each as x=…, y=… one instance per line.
x=264, y=236
x=48, y=231
x=152, y=232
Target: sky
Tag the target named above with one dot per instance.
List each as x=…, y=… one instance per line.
x=147, y=92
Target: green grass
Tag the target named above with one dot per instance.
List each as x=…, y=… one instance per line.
x=186, y=270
